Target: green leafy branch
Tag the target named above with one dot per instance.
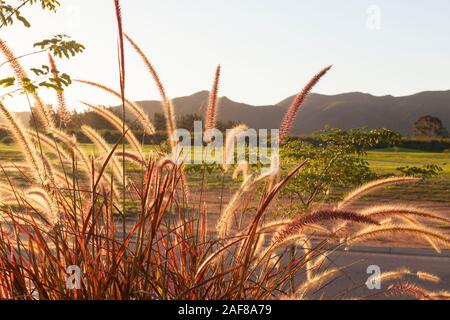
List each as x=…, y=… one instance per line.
x=9, y=13
x=60, y=47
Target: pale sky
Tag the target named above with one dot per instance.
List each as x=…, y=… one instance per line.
x=267, y=48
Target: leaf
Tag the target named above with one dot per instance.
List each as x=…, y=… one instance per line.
x=7, y=82
x=60, y=46
x=22, y=19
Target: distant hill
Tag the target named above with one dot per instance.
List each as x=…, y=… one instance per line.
x=343, y=111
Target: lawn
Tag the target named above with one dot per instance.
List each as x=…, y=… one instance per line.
x=388, y=160
x=383, y=162
x=434, y=189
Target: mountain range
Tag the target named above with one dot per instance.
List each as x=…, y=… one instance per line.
x=345, y=111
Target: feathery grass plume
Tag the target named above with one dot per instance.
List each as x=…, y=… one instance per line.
x=30, y=206
x=117, y=123
x=228, y=154
x=268, y=252
x=402, y=273
x=5, y=188
x=49, y=170
x=17, y=167
x=38, y=200
x=315, y=282
x=42, y=196
x=372, y=186
x=20, y=74
x=72, y=144
x=100, y=143
x=407, y=289
x=141, y=116
x=311, y=263
x=273, y=224
x=318, y=230
x=182, y=176
x=402, y=210
x=23, y=141
x=441, y=295
x=264, y=230
x=41, y=139
x=118, y=10
x=51, y=144
x=413, y=222
x=242, y=168
x=224, y=221
x=166, y=103
x=133, y=157
x=416, y=231
x=211, y=111
x=249, y=184
x=428, y=277
x=61, y=109
x=392, y=275
x=25, y=168
x=318, y=216
x=185, y=186
x=274, y=169
x=166, y=160
x=291, y=114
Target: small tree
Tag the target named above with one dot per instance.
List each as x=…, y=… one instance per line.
x=430, y=127
x=187, y=121
x=159, y=121
x=336, y=159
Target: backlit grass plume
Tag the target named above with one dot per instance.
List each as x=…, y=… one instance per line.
x=319, y=216
x=372, y=186
x=78, y=154
x=117, y=123
x=133, y=107
x=72, y=144
x=168, y=109
x=389, y=211
x=224, y=223
x=229, y=148
x=43, y=111
x=211, y=111
x=417, y=232
x=62, y=111
x=104, y=149
x=410, y=290
x=24, y=142
x=291, y=114
x=404, y=272
x=50, y=144
x=166, y=103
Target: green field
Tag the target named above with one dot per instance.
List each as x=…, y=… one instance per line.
x=383, y=162
x=433, y=189
x=388, y=160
